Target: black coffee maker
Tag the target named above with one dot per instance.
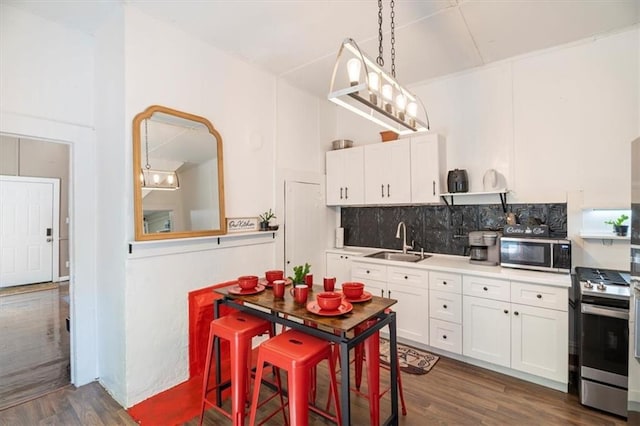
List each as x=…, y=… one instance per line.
x=457, y=181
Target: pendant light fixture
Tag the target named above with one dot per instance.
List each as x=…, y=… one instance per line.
x=375, y=94
x=156, y=179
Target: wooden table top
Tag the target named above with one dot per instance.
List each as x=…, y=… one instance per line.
x=361, y=311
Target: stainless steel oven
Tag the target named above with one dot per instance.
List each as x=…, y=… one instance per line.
x=604, y=339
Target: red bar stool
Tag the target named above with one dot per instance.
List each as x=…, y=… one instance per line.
x=298, y=353
x=238, y=329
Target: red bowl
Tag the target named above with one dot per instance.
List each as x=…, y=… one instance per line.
x=352, y=290
x=247, y=282
x=329, y=300
x=271, y=276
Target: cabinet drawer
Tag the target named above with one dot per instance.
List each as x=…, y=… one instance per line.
x=408, y=276
x=444, y=281
x=445, y=306
x=368, y=271
x=540, y=295
x=445, y=335
x=487, y=288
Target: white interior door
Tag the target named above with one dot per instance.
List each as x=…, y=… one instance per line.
x=26, y=230
x=304, y=227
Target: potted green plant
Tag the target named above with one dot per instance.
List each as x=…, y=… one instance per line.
x=618, y=227
x=265, y=218
x=299, y=272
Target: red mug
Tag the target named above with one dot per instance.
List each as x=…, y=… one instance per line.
x=308, y=279
x=300, y=293
x=278, y=288
x=329, y=283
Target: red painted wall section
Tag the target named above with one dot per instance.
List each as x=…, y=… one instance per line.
x=200, y=316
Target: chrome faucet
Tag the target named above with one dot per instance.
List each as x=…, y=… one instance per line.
x=404, y=237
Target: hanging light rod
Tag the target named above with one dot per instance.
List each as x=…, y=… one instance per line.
x=378, y=97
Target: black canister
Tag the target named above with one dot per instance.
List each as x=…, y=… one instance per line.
x=457, y=181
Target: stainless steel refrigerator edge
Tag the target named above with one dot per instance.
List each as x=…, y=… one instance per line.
x=634, y=319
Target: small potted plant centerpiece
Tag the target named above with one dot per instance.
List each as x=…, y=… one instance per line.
x=265, y=218
x=618, y=227
x=299, y=272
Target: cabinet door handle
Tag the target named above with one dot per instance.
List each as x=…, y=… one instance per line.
x=539, y=296
x=346, y=257
x=341, y=193
x=382, y=190
x=434, y=187
x=381, y=293
x=341, y=257
x=368, y=271
x=444, y=283
x=444, y=336
x=388, y=190
x=516, y=313
x=506, y=311
x=485, y=289
x=406, y=277
x=444, y=306
x=346, y=192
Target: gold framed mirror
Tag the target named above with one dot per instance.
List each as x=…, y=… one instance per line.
x=178, y=184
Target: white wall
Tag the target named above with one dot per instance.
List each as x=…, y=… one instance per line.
x=555, y=123
x=113, y=188
x=167, y=67
x=46, y=82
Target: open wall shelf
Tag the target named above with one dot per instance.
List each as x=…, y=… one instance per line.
x=451, y=195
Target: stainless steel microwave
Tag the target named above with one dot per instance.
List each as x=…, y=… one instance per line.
x=539, y=254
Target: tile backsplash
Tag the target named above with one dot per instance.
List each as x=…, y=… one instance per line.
x=440, y=229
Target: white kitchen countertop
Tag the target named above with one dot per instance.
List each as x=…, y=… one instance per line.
x=460, y=265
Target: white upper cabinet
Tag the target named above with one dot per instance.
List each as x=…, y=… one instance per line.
x=387, y=172
x=345, y=177
x=398, y=172
x=428, y=165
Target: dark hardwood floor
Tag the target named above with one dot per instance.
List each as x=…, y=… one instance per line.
x=452, y=393
x=34, y=342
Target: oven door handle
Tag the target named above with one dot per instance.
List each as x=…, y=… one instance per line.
x=604, y=311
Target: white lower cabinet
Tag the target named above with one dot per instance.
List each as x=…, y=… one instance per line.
x=339, y=266
x=521, y=326
x=539, y=342
x=532, y=339
x=406, y=285
x=445, y=335
x=486, y=329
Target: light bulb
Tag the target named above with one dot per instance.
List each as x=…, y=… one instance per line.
x=374, y=87
x=353, y=69
x=387, y=95
x=412, y=111
x=170, y=179
x=156, y=178
x=401, y=103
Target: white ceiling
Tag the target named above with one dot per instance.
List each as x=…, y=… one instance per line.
x=298, y=39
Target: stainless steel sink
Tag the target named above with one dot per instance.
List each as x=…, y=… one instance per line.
x=392, y=255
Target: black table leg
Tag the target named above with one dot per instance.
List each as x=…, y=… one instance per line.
x=393, y=350
x=345, y=397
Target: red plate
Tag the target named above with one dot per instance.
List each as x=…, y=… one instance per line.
x=242, y=292
x=342, y=309
x=263, y=281
x=363, y=297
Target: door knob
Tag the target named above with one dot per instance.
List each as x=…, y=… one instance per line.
x=49, y=240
